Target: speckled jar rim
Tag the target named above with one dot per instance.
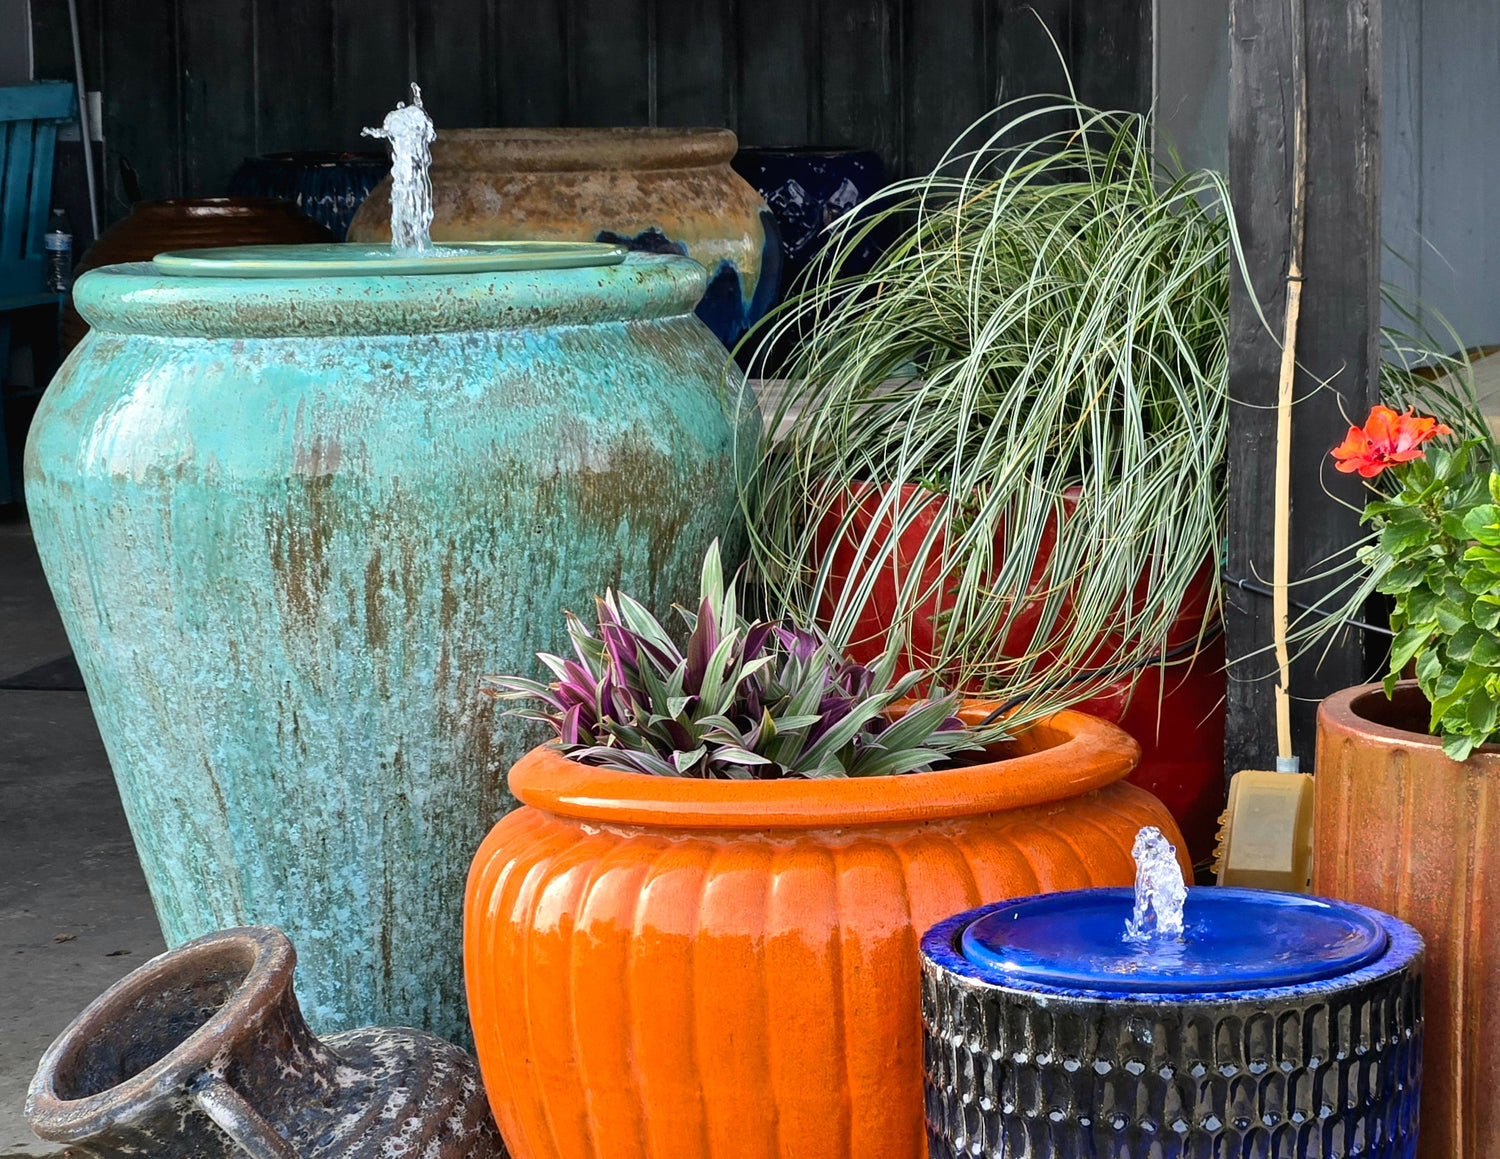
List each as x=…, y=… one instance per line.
x=137, y=298
x=1063, y=756
x=940, y=946
x=580, y=150
x=269, y=962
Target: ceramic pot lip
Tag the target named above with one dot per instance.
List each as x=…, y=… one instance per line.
x=137, y=298
x=1085, y=753
x=940, y=950
x=581, y=150
x=213, y=207
x=266, y=981
x=320, y=159
x=807, y=151
x=1346, y=713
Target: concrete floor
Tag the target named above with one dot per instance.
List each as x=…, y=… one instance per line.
x=74, y=912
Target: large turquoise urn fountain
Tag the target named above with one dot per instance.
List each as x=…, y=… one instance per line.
x=294, y=503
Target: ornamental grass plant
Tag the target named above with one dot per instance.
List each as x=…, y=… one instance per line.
x=1019, y=415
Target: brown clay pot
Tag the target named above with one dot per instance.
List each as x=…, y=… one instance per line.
x=190, y=223
x=1402, y=828
x=729, y=969
x=202, y=1053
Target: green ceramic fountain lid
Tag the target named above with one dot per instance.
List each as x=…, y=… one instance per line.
x=355, y=259
x=142, y=298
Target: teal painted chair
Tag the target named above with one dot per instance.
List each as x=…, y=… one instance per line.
x=29, y=116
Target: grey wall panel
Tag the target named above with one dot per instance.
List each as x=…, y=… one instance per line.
x=1192, y=81
x=1440, y=144
x=1401, y=154
x=1458, y=210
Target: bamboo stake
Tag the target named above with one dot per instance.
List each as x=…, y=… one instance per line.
x=1281, y=544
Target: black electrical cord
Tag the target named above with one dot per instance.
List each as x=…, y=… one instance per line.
x=1111, y=670
x=1172, y=654
x=1257, y=589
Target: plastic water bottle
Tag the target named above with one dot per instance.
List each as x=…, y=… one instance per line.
x=58, y=243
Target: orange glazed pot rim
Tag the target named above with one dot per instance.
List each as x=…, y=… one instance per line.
x=1063, y=756
x=1364, y=711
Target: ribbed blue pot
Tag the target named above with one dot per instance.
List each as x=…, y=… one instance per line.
x=290, y=523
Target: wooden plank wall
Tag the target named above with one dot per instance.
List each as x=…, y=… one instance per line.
x=192, y=86
x=1336, y=341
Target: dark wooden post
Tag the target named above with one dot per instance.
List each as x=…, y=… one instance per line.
x=1338, y=340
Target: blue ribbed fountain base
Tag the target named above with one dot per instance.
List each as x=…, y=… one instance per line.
x=1022, y=1068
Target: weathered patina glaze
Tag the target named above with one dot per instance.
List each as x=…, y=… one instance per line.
x=289, y=524
x=660, y=190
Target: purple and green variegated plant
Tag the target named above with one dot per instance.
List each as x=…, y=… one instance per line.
x=740, y=700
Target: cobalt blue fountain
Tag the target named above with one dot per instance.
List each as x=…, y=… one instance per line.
x=1172, y=1024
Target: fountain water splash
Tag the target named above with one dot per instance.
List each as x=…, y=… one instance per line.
x=409, y=130
x=1160, y=891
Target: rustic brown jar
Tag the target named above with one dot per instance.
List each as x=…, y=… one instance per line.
x=1402, y=828
x=190, y=223
x=203, y=1053
x=661, y=190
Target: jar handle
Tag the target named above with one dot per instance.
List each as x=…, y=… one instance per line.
x=239, y=1120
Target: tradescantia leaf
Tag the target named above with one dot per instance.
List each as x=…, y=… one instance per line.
x=1403, y=577
x=1399, y=538
x=737, y=700
x=1460, y=646
x=1406, y=645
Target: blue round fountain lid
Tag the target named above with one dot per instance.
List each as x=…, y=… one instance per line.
x=1233, y=939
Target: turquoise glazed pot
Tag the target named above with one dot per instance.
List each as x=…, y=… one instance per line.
x=289, y=523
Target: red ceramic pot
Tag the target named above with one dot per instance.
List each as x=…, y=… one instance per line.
x=1176, y=713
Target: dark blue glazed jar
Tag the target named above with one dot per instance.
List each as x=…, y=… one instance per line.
x=1278, y=1027
x=808, y=189
x=328, y=187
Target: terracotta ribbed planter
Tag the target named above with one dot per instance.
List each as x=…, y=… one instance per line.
x=693, y=968
x=655, y=189
x=1402, y=828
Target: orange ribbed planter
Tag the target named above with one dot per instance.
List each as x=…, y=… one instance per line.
x=679, y=969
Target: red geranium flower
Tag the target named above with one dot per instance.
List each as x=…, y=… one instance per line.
x=1387, y=438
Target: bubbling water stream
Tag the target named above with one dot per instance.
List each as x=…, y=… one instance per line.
x=409, y=130
x=1160, y=891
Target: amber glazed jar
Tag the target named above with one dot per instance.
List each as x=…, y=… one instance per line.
x=1400, y=827
x=688, y=968
x=659, y=190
